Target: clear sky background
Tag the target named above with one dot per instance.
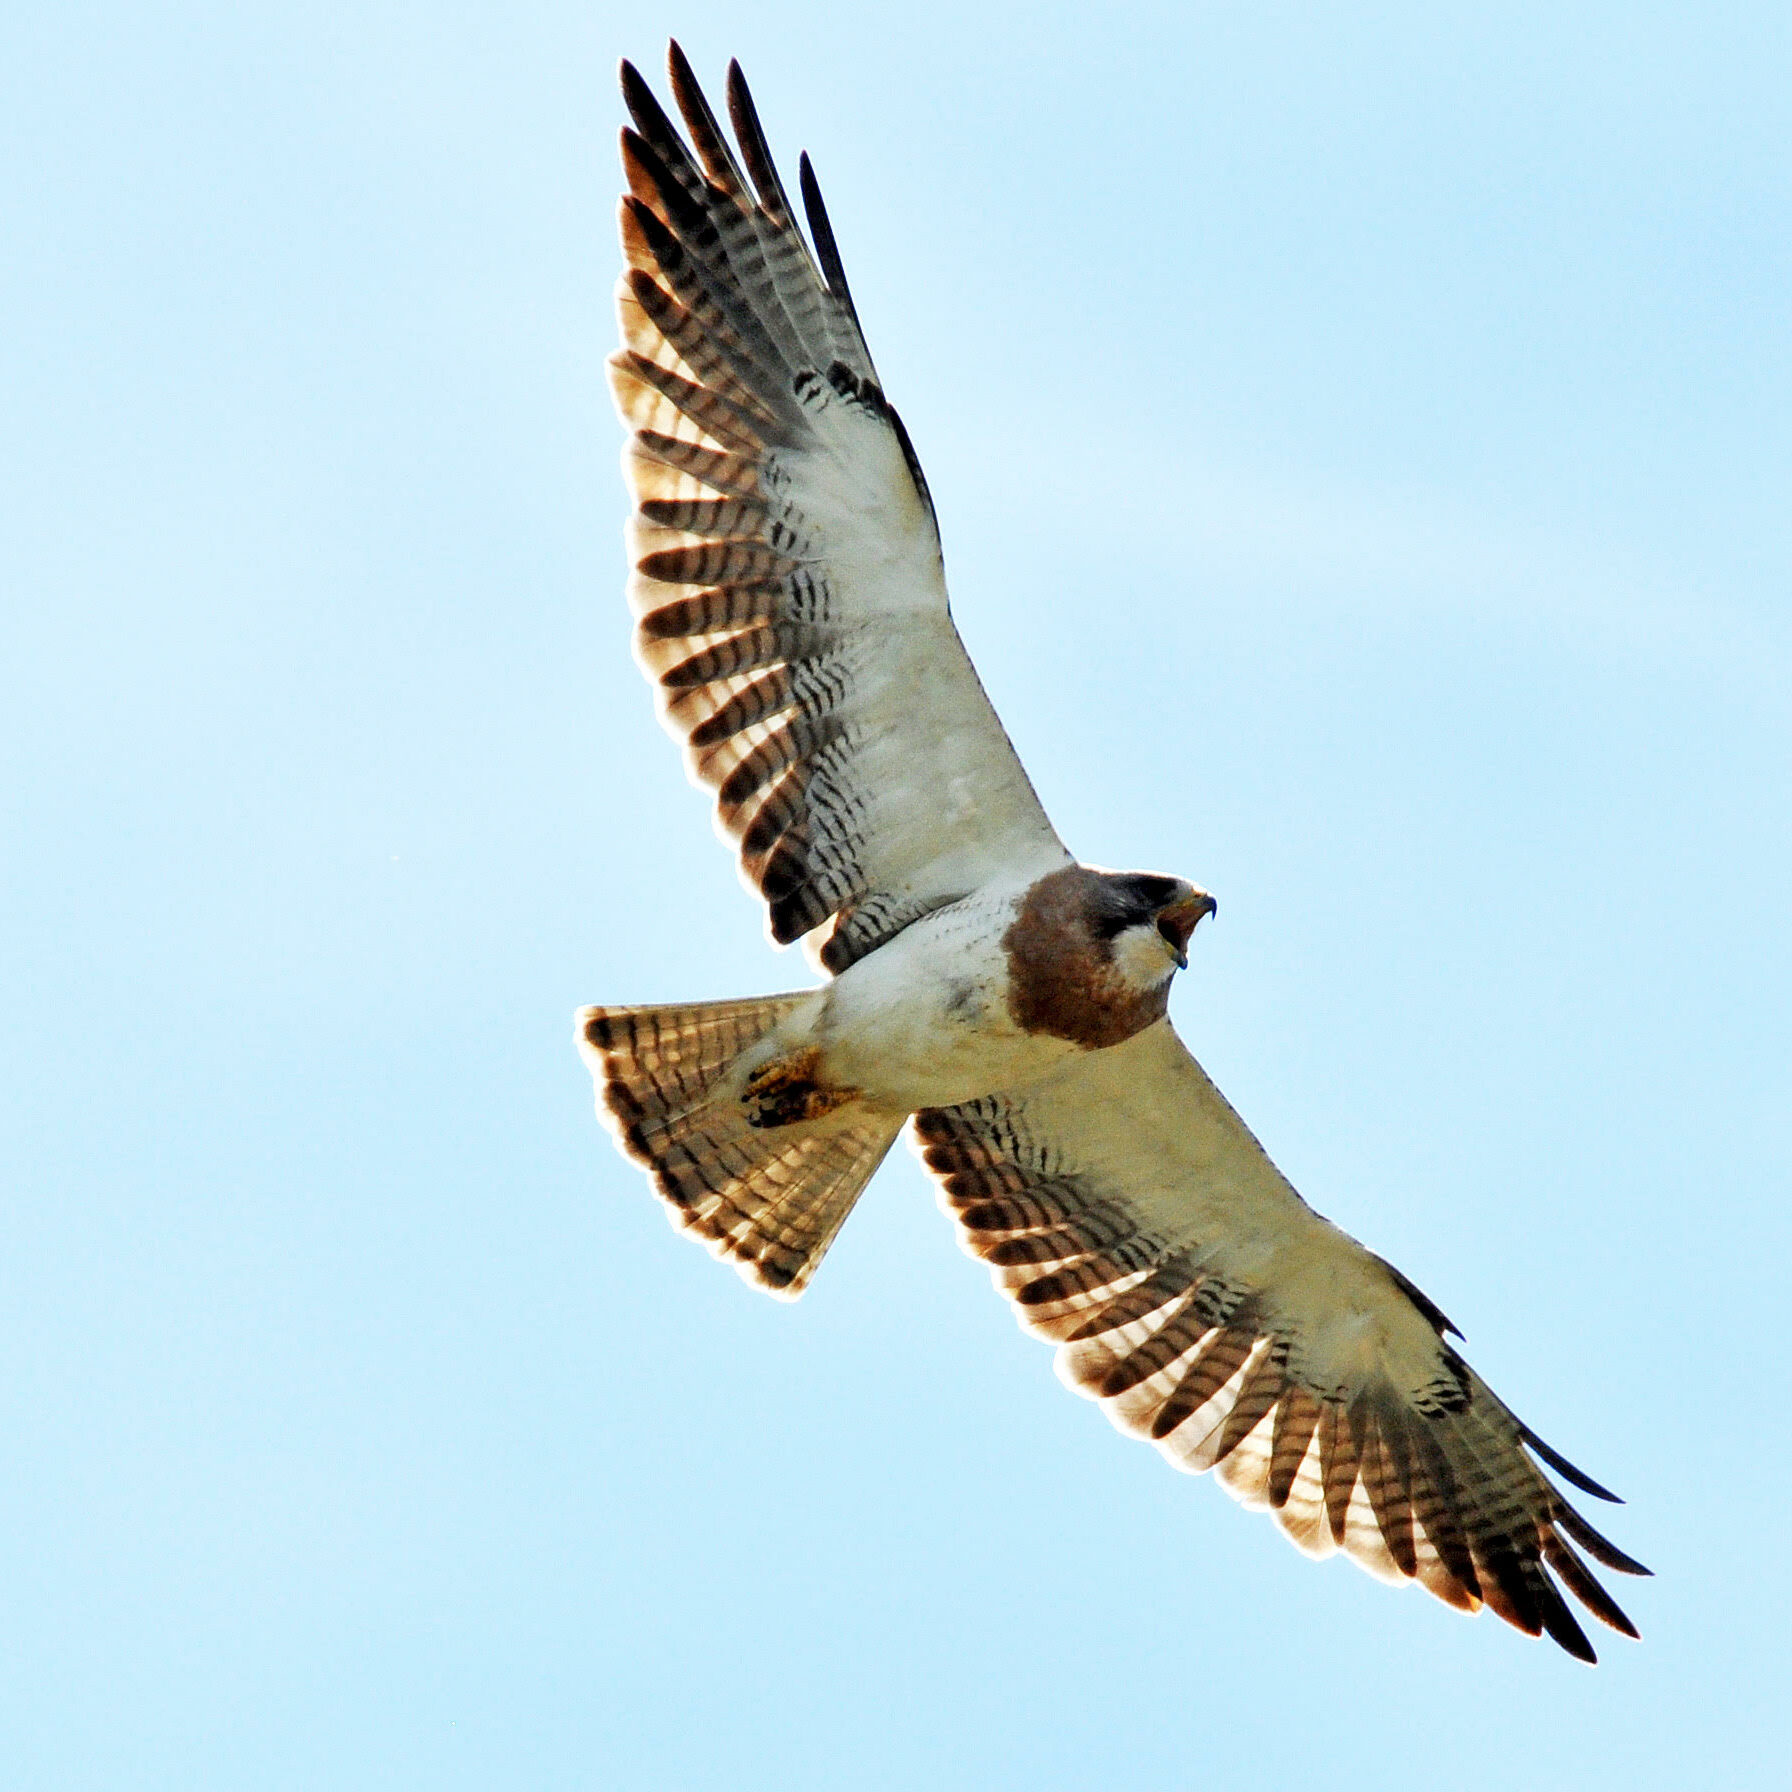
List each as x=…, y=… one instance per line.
x=1361, y=441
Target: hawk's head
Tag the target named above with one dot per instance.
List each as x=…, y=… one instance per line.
x=1146, y=920
x=1091, y=953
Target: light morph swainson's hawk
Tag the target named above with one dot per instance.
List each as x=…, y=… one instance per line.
x=1002, y=1000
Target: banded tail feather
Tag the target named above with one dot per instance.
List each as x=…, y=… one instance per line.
x=764, y=1188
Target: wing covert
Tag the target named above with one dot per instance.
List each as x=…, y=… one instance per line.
x=788, y=593
x=1133, y=1220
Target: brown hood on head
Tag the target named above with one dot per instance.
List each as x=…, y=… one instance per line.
x=1062, y=978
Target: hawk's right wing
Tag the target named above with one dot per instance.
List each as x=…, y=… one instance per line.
x=1134, y=1221
x=788, y=594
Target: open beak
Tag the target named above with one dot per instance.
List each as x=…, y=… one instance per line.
x=1178, y=921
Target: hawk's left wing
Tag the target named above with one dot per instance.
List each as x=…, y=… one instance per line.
x=789, y=599
x=1134, y=1220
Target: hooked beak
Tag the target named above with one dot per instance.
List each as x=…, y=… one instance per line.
x=1178, y=920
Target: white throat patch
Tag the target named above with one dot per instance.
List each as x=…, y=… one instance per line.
x=1143, y=956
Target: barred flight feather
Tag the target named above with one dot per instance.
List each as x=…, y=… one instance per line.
x=788, y=595
x=1136, y=1223
x=665, y=406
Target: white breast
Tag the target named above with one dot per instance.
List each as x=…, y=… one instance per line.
x=924, y=1020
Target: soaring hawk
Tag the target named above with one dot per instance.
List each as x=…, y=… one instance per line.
x=984, y=989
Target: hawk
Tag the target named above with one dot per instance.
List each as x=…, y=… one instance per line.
x=1003, y=1002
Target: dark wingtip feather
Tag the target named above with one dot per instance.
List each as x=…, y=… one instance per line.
x=1560, y=1623
x=1605, y=1552
x=678, y=64
x=706, y=134
x=750, y=134
x=1565, y=1468
x=636, y=94
x=1578, y=1579
x=650, y=116
x=823, y=232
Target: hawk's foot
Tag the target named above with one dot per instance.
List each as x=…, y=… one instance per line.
x=785, y=1091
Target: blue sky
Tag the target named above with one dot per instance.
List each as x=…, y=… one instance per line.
x=1360, y=438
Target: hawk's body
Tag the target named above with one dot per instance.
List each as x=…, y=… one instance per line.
x=925, y=1020
x=791, y=608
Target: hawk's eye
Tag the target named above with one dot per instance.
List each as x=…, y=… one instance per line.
x=1152, y=892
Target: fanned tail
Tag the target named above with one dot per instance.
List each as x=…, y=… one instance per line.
x=766, y=1192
